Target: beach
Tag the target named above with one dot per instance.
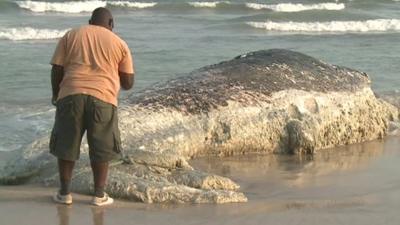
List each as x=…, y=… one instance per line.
x=356, y=184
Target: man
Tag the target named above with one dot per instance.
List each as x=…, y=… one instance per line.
x=89, y=65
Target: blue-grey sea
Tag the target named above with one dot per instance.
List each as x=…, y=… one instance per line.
x=170, y=38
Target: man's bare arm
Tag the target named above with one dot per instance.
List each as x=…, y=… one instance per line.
x=126, y=80
x=57, y=74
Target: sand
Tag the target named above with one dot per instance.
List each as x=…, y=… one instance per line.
x=357, y=184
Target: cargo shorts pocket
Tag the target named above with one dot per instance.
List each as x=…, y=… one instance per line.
x=103, y=112
x=65, y=109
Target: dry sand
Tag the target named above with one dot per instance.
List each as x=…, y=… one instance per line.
x=357, y=184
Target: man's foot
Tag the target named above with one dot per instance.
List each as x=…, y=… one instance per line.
x=105, y=200
x=62, y=199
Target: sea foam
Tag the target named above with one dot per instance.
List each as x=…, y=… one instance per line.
x=205, y=4
x=290, y=7
x=29, y=33
x=79, y=6
x=139, y=5
x=68, y=7
x=378, y=25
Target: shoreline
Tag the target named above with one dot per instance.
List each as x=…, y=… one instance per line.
x=354, y=183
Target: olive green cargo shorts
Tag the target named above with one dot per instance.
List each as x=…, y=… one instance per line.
x=76, y=114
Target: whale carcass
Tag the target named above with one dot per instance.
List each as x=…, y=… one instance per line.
x=270, y=101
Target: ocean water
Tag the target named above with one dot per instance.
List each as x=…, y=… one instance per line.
x=170, y=38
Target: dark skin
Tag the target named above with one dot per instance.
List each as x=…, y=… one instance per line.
x=100, y=169
x=57, y=74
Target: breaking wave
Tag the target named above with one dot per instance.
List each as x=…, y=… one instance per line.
x=205, y=4
x=29, y=33
x=70, y=7
x=88, y=6
x=290, y=7
x=139, y=5
x=78, y=6
x=378, y=25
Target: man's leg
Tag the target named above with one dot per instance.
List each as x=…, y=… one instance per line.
x=65, y=171
x=65, y=141
x=104, y=144
x=100, y=171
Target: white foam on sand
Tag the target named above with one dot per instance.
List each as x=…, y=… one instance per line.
x=291, y=7
x=378, y=25
x=29, y=33
x=139, y=5
x=205, y=4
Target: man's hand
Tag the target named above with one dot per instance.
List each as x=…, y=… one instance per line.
x=126, y=80
x=54, y=100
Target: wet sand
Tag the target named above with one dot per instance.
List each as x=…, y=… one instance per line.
x=357, y=184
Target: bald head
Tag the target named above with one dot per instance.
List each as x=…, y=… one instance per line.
x=102, y=17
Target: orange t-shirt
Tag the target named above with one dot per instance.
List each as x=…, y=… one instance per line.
x=92, y=56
